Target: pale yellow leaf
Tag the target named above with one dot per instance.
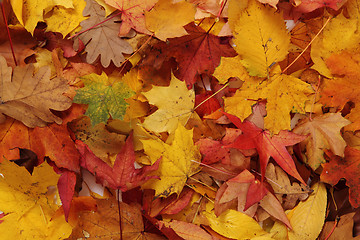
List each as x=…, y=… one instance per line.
x=261, y=38
x=175, y=104
x=166, y=19
x=307, y=218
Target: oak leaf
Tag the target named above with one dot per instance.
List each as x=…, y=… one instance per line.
x=179, y=161
x=267, y=145
x=175, y=104
x=27, y=204
x=286, y=192
x=102, y=41
x=261, y=38
x=323, y=133
x=132, y=14
x=347, y=168
x=166, y=19
x=104, y=98
x=123, y=174
x=284, y=94
x=29, y=97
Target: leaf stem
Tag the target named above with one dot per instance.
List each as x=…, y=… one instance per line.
x=8, y=33
x=211, y=96
x=312, y=40
x=119, y=209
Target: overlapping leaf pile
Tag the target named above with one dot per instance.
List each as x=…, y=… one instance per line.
x=209, y=119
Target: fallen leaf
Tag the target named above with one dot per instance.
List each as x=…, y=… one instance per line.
x=102, y=41
x=123, y=174
x=196, y=53
x=307, y=218
x=284, y=94
x=65, y=20
x=175, y=104
x=166, y=19
x=104, y=98
x=29, y=97
x=342, y=231
x=27, y=204
x=29, y=13
x=234, y=224
x=66, y=188
x=179, y=161
x=104, y=223
x=286, y=192
x=267, y=145
x=98, y=138
x=132, y=14
x=311, y=5
x=349, y=170
x=324, y=133
x=261, y=38
x=188, y=231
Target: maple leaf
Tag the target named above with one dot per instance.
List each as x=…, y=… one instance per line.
x=27, y=206
x=196, y=53
x=102, y=40
x=341, y=33
x=261, y=38
x=132, y=14
x=29, y=98
x=29, y=13
x=179, y=161
x=65, y=20
x=267, y=145
x=104, y=98
x=323, y=133
x=123, y=174
x=347, y=168
x=175, y=104
x=104, y=223
x=284, y=94
x=337, y=92
x=166, y=19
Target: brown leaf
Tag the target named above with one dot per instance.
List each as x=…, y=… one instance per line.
x=102, y=40
x=29, y=97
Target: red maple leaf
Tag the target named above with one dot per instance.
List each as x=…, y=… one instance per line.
x=196, y=53
x=348, y=168
x=267, y=145
x=123, y=174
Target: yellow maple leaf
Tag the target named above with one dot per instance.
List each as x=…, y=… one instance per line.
x=30, y=12
x=27, y=205
x=230, y=67
x=65, y=20
x=175, y=104
x=167, y=19
x=284, y=94
x=261, y=38
x=178, y=162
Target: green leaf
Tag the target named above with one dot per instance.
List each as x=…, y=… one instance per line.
x=104, y=99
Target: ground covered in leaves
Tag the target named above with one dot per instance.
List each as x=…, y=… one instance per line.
x=197, y=119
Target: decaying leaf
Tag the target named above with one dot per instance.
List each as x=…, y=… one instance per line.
x=102, y=41
x=28, y=97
